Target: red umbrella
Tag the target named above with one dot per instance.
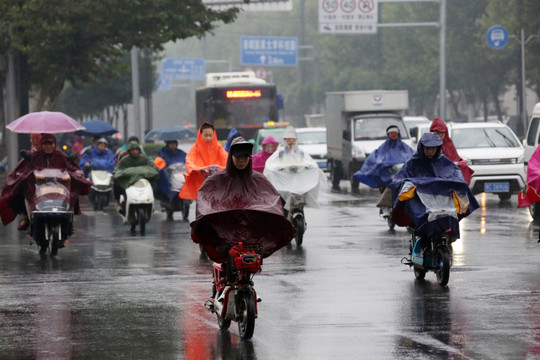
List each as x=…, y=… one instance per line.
x=44, y=122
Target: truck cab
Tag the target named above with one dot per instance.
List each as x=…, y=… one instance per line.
x=530, y=143
x=356, y=123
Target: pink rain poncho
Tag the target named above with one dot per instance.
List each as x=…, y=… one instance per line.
x=259, y=159
x=531, y=194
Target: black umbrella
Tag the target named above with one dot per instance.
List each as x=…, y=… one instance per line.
x=174, y=132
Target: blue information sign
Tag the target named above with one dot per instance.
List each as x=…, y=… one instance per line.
x=183, y=69
x=497, y=37
x=269, y=51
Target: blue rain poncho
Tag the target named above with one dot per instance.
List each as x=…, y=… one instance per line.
x=100, y=160
x=382, y=164
x=164, y=189
x=431, y=194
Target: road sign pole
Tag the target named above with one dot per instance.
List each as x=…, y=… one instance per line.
x=442, y=59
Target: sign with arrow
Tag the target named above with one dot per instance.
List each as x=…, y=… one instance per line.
x=269, y=51
x=183, y=69
x=497, y=37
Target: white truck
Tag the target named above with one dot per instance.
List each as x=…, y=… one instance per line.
x=356, y=123
x=531, y=141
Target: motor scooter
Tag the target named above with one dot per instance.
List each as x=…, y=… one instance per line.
x=100, y=192
x=137, y=206
x=430, y=254
x=296, y=216
x=51, y=218
x=233, y=294
x=175, y=173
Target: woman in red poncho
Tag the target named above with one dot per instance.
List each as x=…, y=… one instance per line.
x=449, y=150
x=20, y=183
x=239, y=205
x=205, y=152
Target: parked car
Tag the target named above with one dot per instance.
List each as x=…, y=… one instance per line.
x=312, y=140
x=495, y=154
x=412, y=121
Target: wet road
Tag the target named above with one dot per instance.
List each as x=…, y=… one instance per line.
x=343, y=295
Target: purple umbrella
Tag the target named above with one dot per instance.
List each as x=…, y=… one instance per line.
x=44, y=122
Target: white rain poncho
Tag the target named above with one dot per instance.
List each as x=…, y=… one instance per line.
x=293, y=172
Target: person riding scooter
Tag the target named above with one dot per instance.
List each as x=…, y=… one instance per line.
x=436, y=180
x=297, y=178
x=98, y=158
x=135, y=165
x=167, y=184
x=20, y=182
x=381, y=165
x=239, y=205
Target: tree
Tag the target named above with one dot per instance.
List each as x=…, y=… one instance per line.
x=78, y=41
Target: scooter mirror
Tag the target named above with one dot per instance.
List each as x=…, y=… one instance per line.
x=25, y=154
x=72, y=157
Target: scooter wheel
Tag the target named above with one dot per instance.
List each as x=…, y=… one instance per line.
x=299, y=225
x=443, y=266
x=419, y=273
x=246, y=312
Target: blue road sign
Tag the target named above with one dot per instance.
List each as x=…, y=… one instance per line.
x=183, y=69
x=497, y=37
x=269, y=51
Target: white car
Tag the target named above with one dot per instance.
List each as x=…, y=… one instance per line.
x=413, y=121
x=495, y=154
x=312, y=140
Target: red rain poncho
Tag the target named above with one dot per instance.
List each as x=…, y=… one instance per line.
x=239, y=206
x=449, y=150
x=22, y=178
x=200, y=155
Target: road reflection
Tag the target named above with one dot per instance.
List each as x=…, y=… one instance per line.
x=434, y=328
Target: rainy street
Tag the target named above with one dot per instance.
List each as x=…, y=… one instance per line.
x=343, y=295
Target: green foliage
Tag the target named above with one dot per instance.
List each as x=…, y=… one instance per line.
x=79, y=41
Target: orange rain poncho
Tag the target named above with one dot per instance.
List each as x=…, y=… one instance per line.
x=200, y=155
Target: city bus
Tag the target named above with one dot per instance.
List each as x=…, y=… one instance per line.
x=237, y=100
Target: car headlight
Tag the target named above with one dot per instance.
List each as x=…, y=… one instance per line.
x=520, y=159
x=357, y=152
x=468, y=161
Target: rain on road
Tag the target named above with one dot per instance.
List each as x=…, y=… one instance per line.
x=343, y=295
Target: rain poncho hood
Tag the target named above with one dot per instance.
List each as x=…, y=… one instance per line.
x=259, y=159
x=449, y=150
x=22, y=179
x=292, y=171
x=381, y=165
x=239, y=206
x=165, y=158
x=200, y=155
x=532, y=189
x=100, y=160
x=431, y=194
x=133, y=168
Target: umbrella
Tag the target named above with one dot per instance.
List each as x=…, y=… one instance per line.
x=97, y=128
x=175, y=132
x=44, y=122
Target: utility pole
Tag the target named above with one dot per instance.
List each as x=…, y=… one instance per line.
x=136, y=92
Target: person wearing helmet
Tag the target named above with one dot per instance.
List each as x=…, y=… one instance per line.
x=98, y=158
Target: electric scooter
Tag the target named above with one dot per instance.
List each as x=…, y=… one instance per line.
x=173, y=203
x=137, y=206
x=233, y=296
x=51, y=218
x=100, y=193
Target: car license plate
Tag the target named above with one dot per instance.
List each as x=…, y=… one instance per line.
x=497, y=187
x=322, y=164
